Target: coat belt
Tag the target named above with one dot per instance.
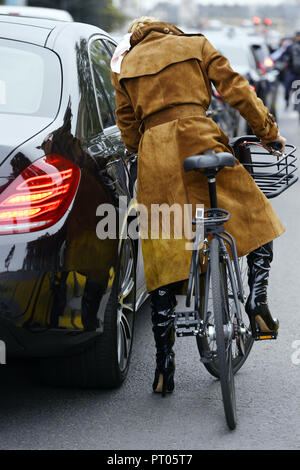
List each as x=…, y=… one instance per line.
x=170, y=114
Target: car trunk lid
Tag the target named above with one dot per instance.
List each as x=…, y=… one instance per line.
x=17, y=129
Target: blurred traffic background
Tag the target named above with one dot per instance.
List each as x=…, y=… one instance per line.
x=255, y=36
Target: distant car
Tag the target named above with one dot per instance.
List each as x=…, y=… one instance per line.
x=66, y=296
x=35, y=12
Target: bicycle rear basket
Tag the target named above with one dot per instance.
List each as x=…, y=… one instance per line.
x=272, y=174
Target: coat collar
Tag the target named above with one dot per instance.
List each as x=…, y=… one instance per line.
x=172, y=44
x=159, y=26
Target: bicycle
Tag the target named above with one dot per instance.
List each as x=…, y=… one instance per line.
x=218, y=320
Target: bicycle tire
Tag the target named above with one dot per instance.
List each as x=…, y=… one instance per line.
x=224, y=356
x=204, y=346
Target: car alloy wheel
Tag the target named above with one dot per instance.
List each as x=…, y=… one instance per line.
x=126, y=303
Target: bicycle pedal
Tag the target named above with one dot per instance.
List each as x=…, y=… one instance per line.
x=265, y=336
x=185, y=320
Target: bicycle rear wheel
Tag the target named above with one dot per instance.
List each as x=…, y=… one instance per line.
x=223, y=332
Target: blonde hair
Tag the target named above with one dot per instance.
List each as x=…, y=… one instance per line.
x=140, y=22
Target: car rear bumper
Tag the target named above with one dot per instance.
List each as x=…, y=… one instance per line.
x=21, y=342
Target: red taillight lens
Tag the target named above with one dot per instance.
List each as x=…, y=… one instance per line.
x=39, y=196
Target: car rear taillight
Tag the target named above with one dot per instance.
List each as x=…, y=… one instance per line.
x=39, y=196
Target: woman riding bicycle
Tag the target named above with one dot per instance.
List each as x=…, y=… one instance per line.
x=163, y=82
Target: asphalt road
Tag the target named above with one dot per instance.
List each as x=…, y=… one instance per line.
x=132, y=417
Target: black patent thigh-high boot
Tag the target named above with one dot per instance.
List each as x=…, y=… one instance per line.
x=163, y=302
x=263, y=325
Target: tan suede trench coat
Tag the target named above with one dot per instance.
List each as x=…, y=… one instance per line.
x=163, y=70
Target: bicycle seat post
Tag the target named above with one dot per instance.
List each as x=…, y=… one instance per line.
x=210, y=163
x=211, y=178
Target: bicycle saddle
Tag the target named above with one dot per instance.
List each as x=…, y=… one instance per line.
x=209, y=159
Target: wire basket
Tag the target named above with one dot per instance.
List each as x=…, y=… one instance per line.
x=272, y=174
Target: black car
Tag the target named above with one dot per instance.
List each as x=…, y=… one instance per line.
x=66, y=295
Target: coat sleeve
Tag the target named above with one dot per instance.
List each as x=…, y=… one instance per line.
x=236, y=91
x=126, y=120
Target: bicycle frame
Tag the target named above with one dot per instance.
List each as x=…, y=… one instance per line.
x=216, y=319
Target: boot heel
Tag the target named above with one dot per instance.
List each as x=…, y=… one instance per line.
x=164, y=379
x=158, y=382
x=254, y=328
x=164, y=383
x=168, y=384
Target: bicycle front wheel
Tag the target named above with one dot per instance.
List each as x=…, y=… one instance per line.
x=223, y=332
x=241, y=345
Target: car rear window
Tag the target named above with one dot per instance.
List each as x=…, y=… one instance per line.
x=30, y=79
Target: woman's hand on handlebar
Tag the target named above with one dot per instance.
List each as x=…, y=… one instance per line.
x=276, y=147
